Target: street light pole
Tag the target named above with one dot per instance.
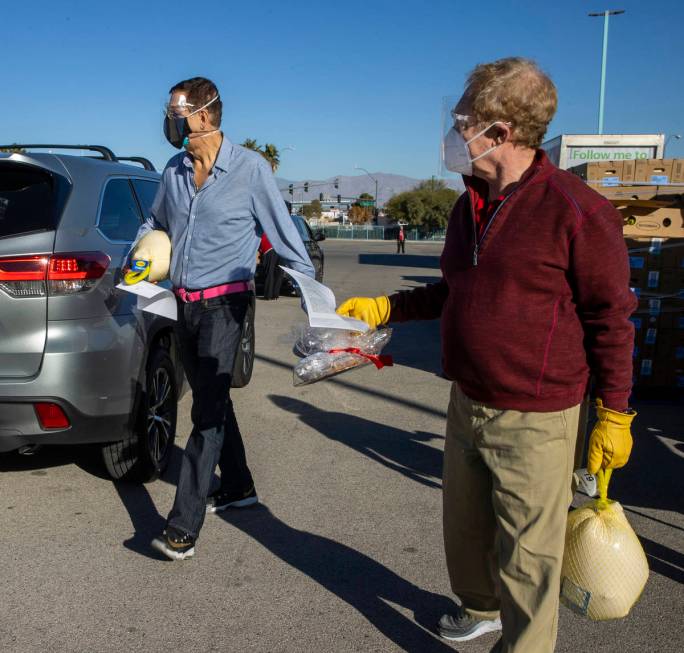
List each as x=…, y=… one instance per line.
x=376, y=189
x=604, y=57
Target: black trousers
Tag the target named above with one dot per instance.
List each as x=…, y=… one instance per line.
x=401, y=246
x=208, y=333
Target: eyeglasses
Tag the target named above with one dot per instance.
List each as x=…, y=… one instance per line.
x=461, y=121
x=179, y=110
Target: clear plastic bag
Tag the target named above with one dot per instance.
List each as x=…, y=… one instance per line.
x=328, y=352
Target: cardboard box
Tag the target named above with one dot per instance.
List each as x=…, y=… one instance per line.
x=672, y=318
x=659, y=223
x=661, y=369
x=658, y=171
x=627, y=193
x=628, y=170
x=677, y=171
x=655, y=253
x=603, y=173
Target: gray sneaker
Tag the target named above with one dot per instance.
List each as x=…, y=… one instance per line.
x=461, y=627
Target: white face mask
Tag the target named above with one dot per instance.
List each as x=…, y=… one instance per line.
x=456, y=154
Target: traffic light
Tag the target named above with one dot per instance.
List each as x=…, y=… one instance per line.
x=339, y=199
x=337, y=183
x=291, y=189
x=320, y=197
x=306, y=186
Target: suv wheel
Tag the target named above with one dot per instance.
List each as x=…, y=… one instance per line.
x=318, y=269
x=146, y=454
x=244, y=358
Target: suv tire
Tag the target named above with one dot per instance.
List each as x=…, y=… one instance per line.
x=318, y=269
x=145, y=455
x=244, y=358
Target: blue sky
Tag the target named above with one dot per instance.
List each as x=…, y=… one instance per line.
x=345, y=83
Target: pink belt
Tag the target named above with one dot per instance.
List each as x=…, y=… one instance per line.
x=188, y=296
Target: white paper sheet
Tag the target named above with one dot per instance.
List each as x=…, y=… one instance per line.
x=320, y=305
x=153, y=298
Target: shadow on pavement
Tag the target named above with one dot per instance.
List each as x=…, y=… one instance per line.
x=663, y=560
x=653, y=476
x=401, y=451
x=366, y=391
x=401, y=260
x=417, y=345
x=423, y=281
x=84, y=456
x=363, y=583
x=146, y=520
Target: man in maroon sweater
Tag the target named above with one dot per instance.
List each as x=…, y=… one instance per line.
x=534, y=300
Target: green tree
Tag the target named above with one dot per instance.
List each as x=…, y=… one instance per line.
x=359, y=214
x=427, y=206
x=13, y=150
x=312, y=210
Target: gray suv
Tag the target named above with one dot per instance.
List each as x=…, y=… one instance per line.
x=78, y=362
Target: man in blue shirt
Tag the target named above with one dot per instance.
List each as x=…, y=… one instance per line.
x=214, y=201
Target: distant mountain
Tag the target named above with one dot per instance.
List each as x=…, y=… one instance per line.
x=352, y=187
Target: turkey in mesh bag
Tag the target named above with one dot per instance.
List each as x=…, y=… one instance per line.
x=604, y=566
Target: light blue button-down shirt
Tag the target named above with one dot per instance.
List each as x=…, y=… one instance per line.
x=215, y=231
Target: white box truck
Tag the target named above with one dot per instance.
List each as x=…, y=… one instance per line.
x=569, y=150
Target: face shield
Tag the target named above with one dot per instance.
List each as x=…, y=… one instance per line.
x=176, y=127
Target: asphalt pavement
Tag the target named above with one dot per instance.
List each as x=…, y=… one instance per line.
x=345, y=551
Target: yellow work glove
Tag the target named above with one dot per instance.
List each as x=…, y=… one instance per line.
x=374, y=312
x=610, y=443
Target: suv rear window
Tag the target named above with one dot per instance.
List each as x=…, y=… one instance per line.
x=119, y=214
x=27, y=200
x=146, y=192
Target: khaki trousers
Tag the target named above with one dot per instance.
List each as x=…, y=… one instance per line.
x=507, y=488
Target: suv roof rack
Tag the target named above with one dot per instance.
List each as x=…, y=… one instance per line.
x=106, y=153
x=145, y=163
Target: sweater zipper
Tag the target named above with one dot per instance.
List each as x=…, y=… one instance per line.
x=476, y=248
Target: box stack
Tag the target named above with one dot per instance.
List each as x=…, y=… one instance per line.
x=655, y=240
x=634, y=179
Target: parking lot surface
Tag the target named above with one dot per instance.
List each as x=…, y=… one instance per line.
x=345, y=551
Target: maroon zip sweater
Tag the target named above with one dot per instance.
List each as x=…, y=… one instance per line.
x=540, y=303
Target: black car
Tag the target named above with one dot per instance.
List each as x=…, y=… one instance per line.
x=311, y=240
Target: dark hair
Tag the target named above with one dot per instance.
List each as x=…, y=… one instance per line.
x=199, y=91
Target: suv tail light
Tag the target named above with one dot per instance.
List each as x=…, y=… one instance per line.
x=75, y=272
x=23, y=276
x=51, y=416
x=59, y=274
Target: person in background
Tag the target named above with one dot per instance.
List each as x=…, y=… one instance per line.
x=401, y=241
x=534, y=299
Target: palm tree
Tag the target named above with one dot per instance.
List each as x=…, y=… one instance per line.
x=269, y=152
x=272, y=155
x=251, y=144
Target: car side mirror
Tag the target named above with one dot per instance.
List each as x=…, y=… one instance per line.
x=319, y=236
